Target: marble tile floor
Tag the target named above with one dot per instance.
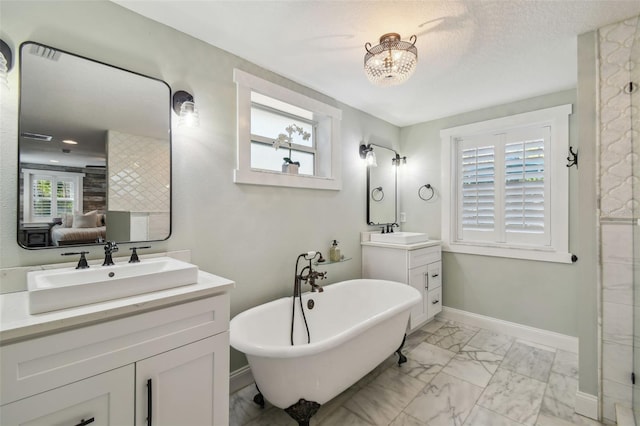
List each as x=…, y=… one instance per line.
x=455, y=375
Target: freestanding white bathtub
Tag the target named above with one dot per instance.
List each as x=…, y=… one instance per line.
x=354, y=326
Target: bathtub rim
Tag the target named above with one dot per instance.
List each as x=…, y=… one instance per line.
x=277, y=351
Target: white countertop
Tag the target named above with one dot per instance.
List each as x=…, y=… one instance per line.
x=17, y=324
x=415, y=246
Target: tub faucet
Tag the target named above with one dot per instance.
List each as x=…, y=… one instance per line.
x=109, y=248
x=307, y=274
x=312, y=277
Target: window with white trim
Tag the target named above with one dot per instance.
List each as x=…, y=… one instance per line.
x=281, y=134
x=285, y=138
x=50, y=194
x=508, y=186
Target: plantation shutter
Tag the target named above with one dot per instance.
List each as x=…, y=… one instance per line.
x=524, y=186
x=42, y=196
x=477, y=202
x=478, y=188
x=51, y=194
x=65, y=196
x=526, y=200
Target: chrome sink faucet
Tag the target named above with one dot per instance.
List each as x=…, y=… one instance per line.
x=109, y=248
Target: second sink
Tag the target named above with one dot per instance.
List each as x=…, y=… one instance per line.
x=400, y=238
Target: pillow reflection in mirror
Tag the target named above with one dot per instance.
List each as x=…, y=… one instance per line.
x=67, y=220
x=87, y=220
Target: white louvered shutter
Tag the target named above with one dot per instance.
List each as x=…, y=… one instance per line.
x=526, y=187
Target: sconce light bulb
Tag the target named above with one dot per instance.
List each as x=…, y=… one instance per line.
x=371, y=159
x=4, y=81
x=189, y=116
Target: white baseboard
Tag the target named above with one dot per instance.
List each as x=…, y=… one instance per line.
x=240, y=378
x=587, y=405
x=525, y=332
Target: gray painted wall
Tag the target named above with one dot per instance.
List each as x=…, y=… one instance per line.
x=249, y=234
x=252, y=234
x=537, y=294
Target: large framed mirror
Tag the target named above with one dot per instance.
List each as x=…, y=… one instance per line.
x=382, y=187
x=94, y=152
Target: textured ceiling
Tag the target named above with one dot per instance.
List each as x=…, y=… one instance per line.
x=471, y=54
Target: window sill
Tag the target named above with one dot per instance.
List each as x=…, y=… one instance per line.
x=512, y=252
x=264, y=177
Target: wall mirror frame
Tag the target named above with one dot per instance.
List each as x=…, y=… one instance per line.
x=94, y=152
x=382, y=187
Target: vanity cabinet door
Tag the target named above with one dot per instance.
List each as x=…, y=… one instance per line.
x=185, y=386
x=102, y=400
x=435, y=275
x=434, y=302
x=419, y=279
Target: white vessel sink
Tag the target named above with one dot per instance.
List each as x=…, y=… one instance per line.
x=400, y=238
x=68, y=287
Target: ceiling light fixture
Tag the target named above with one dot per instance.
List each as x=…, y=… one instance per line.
x=392, y=61
x=70, y=142
x=185, y=107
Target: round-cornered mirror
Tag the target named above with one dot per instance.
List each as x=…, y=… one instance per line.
x=94, y=152
x=382, y=188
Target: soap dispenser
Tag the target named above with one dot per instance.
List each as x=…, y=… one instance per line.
x=334, y=252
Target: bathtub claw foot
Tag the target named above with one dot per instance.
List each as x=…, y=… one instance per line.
x=302, y=411
x=401, y=358
x=259, y=399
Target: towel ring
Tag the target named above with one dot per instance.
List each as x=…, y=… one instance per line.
x=377, y=192
x=428, y=186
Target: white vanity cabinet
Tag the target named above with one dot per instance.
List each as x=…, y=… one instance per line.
x=177, y=386
x=102, y=400
x=418, y=265
x=172, y=360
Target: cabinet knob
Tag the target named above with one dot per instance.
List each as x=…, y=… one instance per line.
x=435, y=275
x=435, y=302
x=84, y=422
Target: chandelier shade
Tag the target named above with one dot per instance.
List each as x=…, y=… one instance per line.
x=392, y=61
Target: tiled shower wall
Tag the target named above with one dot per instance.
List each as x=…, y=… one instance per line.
x=616, y=213
x=139, y=173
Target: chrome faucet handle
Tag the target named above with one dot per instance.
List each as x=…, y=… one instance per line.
x=82, y=263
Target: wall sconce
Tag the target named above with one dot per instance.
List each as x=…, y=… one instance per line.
x=367, y=154
x=185, y=107
x=397, y=161
x=6, y=62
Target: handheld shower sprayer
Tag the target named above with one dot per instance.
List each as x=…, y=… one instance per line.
x=310, y=255
x=310, y=278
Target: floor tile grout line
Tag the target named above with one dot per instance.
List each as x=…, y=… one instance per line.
x=459, y=349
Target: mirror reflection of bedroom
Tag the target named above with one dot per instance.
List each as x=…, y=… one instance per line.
x=94, y=152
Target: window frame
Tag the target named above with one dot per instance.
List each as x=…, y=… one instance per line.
x=328, y=149
x=29, y=174
x=557, y=119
